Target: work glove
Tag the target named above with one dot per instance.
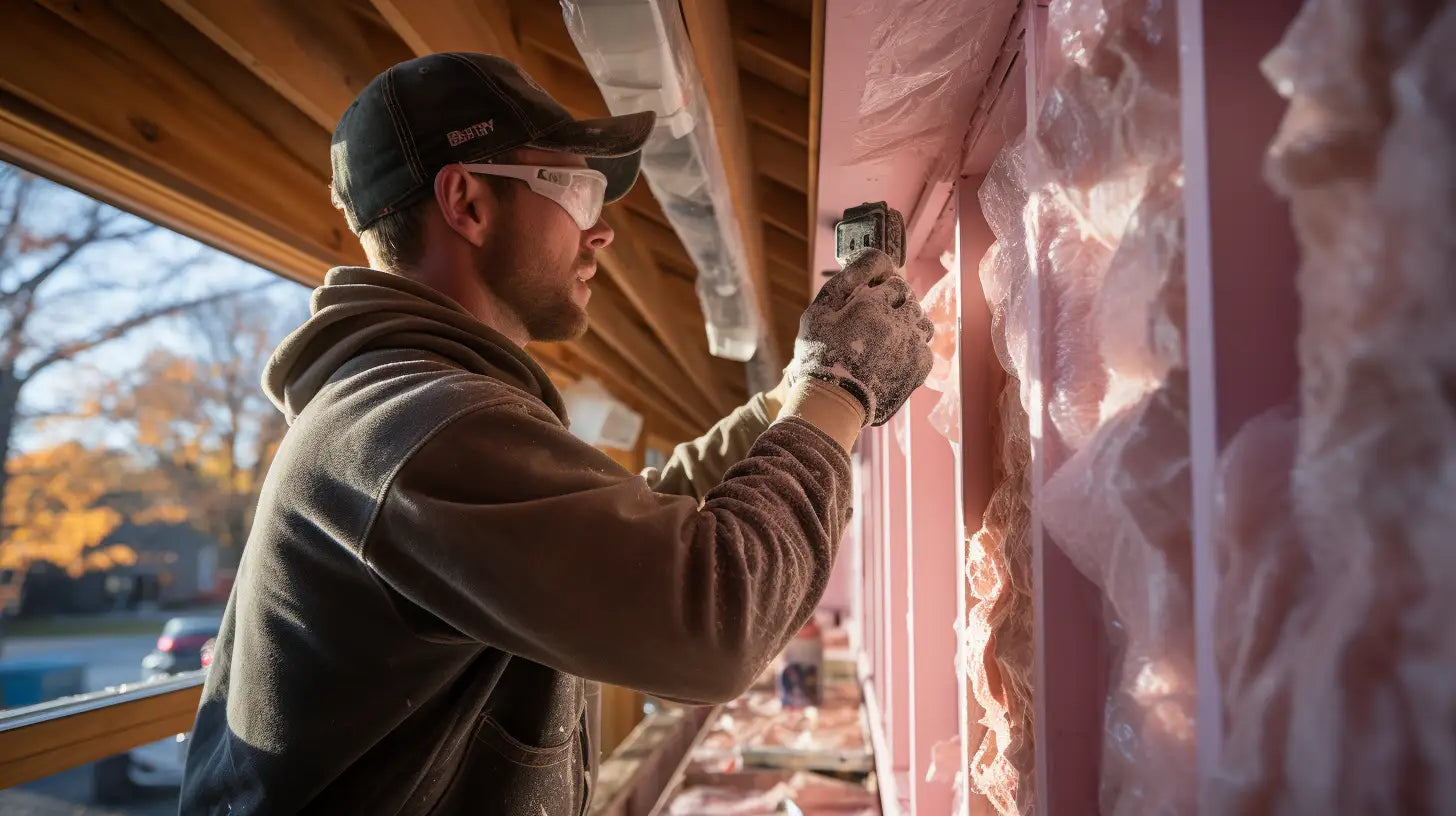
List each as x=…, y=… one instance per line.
x=866, y=333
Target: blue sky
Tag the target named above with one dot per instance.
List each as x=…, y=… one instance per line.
x=111, y=282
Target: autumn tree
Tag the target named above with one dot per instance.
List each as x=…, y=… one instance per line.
x=201, y=419
x=77, y=275
x=63, y=501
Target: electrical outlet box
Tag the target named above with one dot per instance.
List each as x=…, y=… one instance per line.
x=874, y=226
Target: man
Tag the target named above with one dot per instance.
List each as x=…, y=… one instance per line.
x=438, y=571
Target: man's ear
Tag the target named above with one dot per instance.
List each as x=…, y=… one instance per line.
x=466, y=204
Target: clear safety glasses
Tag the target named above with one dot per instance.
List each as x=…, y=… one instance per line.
x=578, y=190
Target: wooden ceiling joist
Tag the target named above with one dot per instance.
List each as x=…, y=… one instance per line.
x=640, y=279
x=787, y=249
x=641, y=201
x=781, y=160
x=294, y=131
x=156, y=138
x=662, y=242
x=450, y=25
x=635, y=344
x=773, y=45
x=770, y=106
x=784, y=208
x=542, y=25
x=593, y=357
x=317, y=55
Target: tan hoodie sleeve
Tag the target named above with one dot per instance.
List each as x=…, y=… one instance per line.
x=518, y=534
x=698, y=466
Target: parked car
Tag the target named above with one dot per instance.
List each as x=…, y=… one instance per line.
x=141, y=772
x=179, y=649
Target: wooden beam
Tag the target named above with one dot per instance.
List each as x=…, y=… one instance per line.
x=317, y=55
x=773, y=45
x=816, y=95
x=641, y=201
x=774, y=108
x=784, y=208
x=709, y=27
x=427, y=26
x=591, y=355
x=542, y=25
x=661, y=241
x=640, y=279
x=789, y=250
x=93, y=101
x=609, y=312
x=780, y=159
x=569, y=83
x=239, y=87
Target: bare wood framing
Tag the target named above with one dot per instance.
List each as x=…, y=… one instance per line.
x=709, y=27
x=427, y=26
x=774, y=108
x=780, y=159
x=35, y=743
x=633, y=780
x=32, y=139
x=154, y=139
x=784, y=208
x=773, y=45
x=592, y=355
x=641, y=201
x=292, y=128
x=317, y=55
x=640, y=279
x=648, y=357
x=785, y=248
x=816, y=95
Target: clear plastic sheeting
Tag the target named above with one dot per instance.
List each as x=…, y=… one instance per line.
x=1338, y=695
x=638, y=53
x=1104, y=167
x=923, y=57
x=998, y=635
x=940, y=306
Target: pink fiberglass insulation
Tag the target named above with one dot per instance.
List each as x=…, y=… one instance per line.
x=998, y=635
x=940, y=306
x=923, y=59
x=1337, y=676
x=1104, y=167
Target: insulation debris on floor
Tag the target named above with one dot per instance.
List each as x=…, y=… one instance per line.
x=762, y=757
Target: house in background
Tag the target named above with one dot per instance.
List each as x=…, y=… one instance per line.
x=175, y=565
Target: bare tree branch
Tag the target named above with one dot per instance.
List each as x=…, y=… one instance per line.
x=69, y=350
x=25, y=183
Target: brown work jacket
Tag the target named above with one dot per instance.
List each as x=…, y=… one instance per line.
x=439, y=573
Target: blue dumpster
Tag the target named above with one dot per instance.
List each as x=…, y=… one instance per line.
x=29, y=680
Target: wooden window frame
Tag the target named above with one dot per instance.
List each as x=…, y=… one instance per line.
x=47, y=738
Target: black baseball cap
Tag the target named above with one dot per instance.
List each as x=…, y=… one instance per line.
x=425, y=113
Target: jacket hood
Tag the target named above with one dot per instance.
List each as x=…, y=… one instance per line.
x=360, y=309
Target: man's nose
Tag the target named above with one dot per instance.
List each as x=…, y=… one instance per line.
x=599, y=236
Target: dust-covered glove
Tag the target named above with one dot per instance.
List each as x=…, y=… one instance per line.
x=866, y=333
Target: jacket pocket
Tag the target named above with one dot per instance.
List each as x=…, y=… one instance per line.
x=495, y=736
x=533, y=713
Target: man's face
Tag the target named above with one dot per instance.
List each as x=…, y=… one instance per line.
x=537, y=261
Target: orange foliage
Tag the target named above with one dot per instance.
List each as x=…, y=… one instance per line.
x=52, y=506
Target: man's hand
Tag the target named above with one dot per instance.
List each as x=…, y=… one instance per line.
x=866, y=333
